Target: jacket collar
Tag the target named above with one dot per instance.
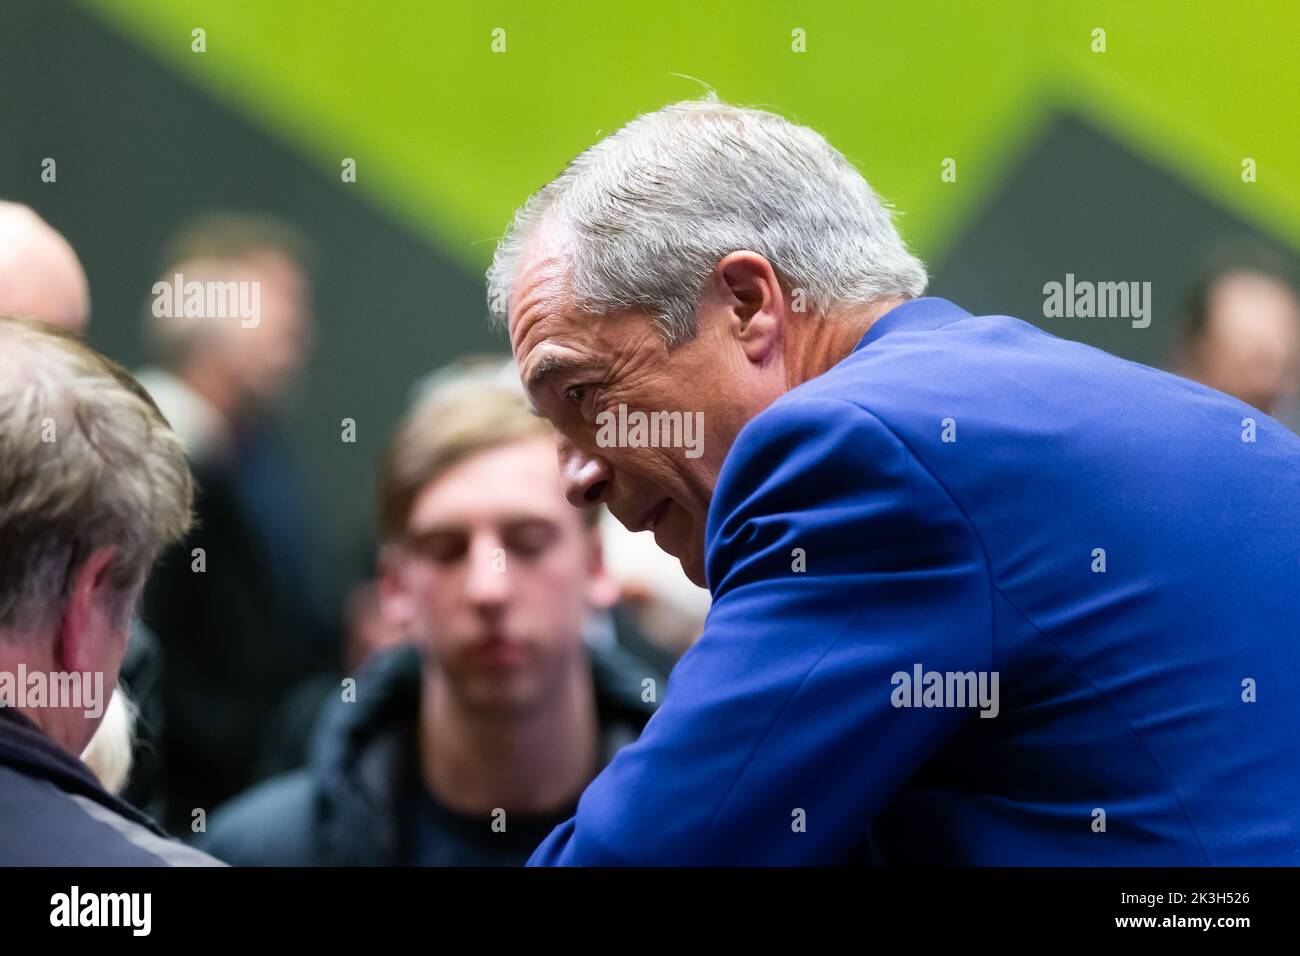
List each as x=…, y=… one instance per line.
x=389, y=688
x=363, y=753
x=26, y=748
x=915, y=315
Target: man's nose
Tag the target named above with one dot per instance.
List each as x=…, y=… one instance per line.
x=487, y=579
x=586, y=477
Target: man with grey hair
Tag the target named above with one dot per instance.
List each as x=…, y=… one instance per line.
x=93, y=485
x=959, y=615
x=41, y=278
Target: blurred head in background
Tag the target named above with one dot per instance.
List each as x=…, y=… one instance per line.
x=485, y=563
x=40, y=276
x=1243, y=329
x=231, y=314
x=93, y=486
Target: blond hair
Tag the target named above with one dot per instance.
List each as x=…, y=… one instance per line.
x=86, y=460
x=111, y=751
x=466, y=408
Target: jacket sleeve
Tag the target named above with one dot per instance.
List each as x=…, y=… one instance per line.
x=837, y=562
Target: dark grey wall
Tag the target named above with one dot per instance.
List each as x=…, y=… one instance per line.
x=1078, y=202
x=139, y=150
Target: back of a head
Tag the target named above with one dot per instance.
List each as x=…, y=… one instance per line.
x=40, y=275
x=644, y=215
x=86, y=461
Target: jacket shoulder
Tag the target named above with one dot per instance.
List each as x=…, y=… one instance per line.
x=273, y=824
x=47, y=826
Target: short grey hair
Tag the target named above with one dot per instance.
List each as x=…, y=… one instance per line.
x=86, y=460
x=643, y=217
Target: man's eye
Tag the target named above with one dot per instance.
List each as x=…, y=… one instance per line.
x=575, y=394
x=440, y=548
x=530, y=540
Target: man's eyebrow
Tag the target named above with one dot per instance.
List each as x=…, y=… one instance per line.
x=451, y=529
x=551, y=365
x=434, y=531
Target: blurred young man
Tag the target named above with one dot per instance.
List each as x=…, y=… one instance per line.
x=468, y=747
x=93, y=485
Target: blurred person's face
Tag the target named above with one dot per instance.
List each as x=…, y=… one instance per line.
x=495, y=577
x=1251, y=344
x=265, y=359
x=575, y=366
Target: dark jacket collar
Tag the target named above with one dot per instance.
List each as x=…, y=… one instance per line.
x=363, y=753
x=26, y=748
x=915, y=315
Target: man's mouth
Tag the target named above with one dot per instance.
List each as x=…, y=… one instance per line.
x=650, y=518
x=496, y=652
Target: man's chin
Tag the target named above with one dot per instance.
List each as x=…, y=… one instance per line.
x=693, y=565
x=677, y=540
x=500, y=699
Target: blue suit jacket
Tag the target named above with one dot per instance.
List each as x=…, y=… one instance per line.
x=970, y=494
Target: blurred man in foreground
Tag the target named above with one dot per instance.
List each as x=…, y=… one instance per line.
x=93, y=485
x=470, y=746
x=980, y=595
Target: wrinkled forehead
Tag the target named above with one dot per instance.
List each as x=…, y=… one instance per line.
x=541, y=301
